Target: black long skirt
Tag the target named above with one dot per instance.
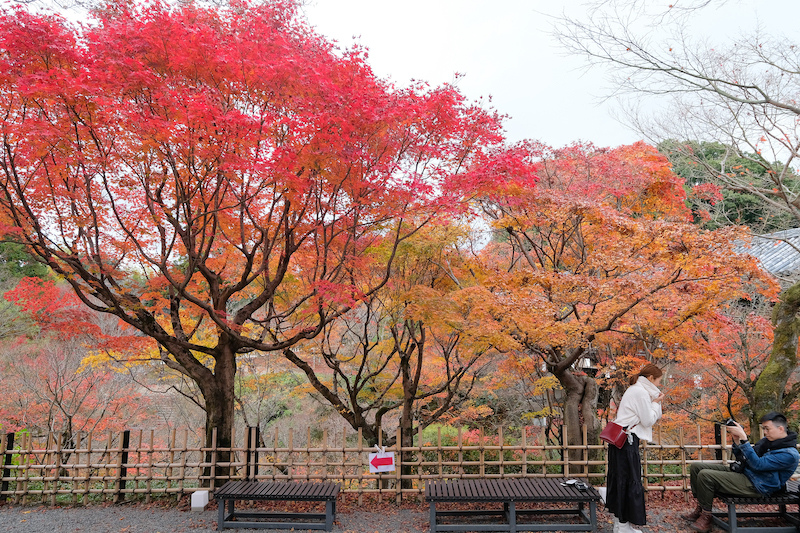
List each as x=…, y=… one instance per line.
x=624, y=491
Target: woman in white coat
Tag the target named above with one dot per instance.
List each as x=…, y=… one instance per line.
x=639, y=410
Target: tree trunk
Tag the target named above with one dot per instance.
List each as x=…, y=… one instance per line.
x=771, y=383
x=411, y=378
x=219, y=397
x=580, y=409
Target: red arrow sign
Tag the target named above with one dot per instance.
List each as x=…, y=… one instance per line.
x=382, y=461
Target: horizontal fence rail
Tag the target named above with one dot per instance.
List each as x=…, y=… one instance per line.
x=89, y=467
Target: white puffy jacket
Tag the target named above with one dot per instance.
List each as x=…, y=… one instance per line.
x=638, y=408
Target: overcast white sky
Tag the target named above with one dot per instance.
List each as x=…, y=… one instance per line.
x=505, y=50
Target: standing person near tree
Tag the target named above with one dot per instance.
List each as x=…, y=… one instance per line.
x=639, y=410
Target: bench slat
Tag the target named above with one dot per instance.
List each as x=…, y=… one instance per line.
x=509, y=491
x=277, y=490
x=525, y=489
x=273, y=490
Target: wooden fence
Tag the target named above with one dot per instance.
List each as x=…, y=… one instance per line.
x=146, y=464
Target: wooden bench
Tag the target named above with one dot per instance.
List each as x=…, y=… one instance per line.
x=509, y=492
x=729, y=521
x=232, y=491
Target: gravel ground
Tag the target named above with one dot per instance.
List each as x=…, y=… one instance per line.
x=140, y=518
x=134, y=519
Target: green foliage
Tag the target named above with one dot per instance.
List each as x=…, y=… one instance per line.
x=264, y=396
x=702, y=163
x=16, y=263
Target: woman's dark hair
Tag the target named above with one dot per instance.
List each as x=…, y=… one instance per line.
x=649, y=371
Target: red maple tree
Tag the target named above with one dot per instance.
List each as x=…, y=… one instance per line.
x=49, y=382
x=223, y=180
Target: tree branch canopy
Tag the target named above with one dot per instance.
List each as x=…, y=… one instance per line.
x=222, y=179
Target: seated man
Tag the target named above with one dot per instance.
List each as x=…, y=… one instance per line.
x=761, y=470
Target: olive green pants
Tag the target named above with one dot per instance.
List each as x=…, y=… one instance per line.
x=707, y=479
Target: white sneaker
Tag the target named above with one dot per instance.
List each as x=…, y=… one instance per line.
x=615, y=529
x=626, y=527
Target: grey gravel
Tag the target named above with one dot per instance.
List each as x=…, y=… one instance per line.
x=135, y=519
x=132, y=518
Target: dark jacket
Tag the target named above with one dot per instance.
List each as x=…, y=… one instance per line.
x=769, y=464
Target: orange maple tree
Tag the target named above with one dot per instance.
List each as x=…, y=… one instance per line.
x=412, y=348
x=600, y=252
x=221, y=179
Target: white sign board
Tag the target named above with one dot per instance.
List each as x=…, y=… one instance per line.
x=381, y=462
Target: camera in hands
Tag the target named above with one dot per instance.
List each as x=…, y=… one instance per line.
x=737, y=466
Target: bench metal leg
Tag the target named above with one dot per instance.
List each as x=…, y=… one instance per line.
x=329, y=512
x=512, y=517
x=221, y=515
x=732, y=520
x=433, y=517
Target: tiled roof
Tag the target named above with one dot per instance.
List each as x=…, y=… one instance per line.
x=779, y=252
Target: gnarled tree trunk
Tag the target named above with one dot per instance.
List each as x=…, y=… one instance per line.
x=580, y=409
x=771, y=383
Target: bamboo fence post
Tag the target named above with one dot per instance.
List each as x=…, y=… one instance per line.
x=700, y=444
x=88, y=472
x=171, y=459
x=122, y=468
x=149, y=479
x=380, y=476
x=117, y=480
x=276, y=463
x=661, y=461
x=257, y=458
x=27, y=440
x=501, y=441
x=212, y=481
x=308, y=452
x=290, y=456
x=59, y=443
x=548, y=451
x=420, y=458
x=76, y=468
x=724, y=447
x=460, y=453
x=565, y=468
x=137, y=468
x=107, y=456
x=645, y=466
x=524, y=467
x=325, y=454
x=361, y=467
x=47, y=459
x=230, y=470
x=184, y=454
x=682, y=448
x=344, y=454
x=481, y=454
x=7, y=447
x=248, y=457
x=398, y=466
x=605, y=462
x=585, y=437
x=439, y=456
